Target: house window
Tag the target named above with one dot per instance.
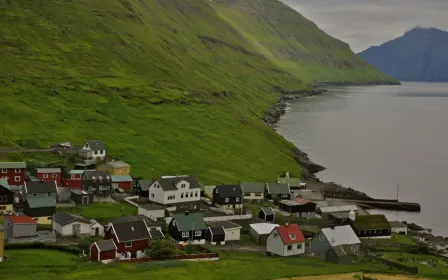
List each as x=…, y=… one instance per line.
x=152, y=195
x=191, y=194
x=197, y=233
x=275, y=235
x=73, y=177
x=53, y=175
x=4, y=170
x=284, y=195
x=182, y=195
x=289, y=248
x=48, y=218
x=185, y=234
x=237, y=199
x=247, y=194
x=17, y=170
x=186, y=195
x=196, y=194
x=34, y=194
x=49, y=194
x=227, y=199
x=258, y=194
x=128, y=244
x=299, y=246
x=182, y=186
x=17, y=178
x=45, y=175
x=95, y=152
x=2, y=207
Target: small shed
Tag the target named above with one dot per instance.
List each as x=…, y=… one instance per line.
x=260, y=231
x=215, y=235
x=266, y=214
x=81, y=197
x=398, y=227
x=232, y=230
x=103, y=251
x=152, y=211
x=341, y=254
x=298, y=205
x=20, y=227
x=122, y=181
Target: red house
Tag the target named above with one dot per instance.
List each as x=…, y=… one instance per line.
x=122, y=181
x=103, y=251
x=74, y=179
x=14, y=171
x=130, y=237
x=49, y=174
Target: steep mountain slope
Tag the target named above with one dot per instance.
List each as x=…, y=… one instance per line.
x=421, y=54
x=168, y=85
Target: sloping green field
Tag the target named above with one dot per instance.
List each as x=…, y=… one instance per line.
x=171, y=86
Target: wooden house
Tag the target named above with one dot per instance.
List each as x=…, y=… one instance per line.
x=40, y=200
x=98, y=182
x=14, y=172
x=80, y=197
x=122, y=181
x=341, y=254
x=398, y=227
x=335, y=236
x=228, y=196
x=93, y=149
x=188, y=227
x=104, y=251
x=130, y=237
x=260, y=231
x=232, y=231
x=298, y=205
x=116, y=168
x=50, y=174
x=215, y=235
x=253, y=192
x=19, y=227
x=277, y=191
x=267, y=214
x=66, y=224
x=286, y=240
x=372, y=226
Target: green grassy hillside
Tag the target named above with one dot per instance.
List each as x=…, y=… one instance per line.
x=171, y=86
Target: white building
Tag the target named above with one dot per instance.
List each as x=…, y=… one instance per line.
x=398, y=227
x=286, y=240
x=65, y=224
x=152, y=211
x=260, y=231
x=93, y=149
x=231, y=229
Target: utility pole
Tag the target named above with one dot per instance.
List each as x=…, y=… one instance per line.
x=398, y=190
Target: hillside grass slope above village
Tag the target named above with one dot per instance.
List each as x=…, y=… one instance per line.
x=170, y=86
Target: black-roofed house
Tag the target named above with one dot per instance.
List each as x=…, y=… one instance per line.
x=215, y=235
x=232, y=231
x=130, y=237
x=188, y=227
x=253, y=192
x=142, y=188
x=81, y=197
x=178, y=192
x=103, y=251
x=150, y=223
x=93, y=149
x=39, y=200
x=98, y=182
x=228, y=196
x=266, y=214
x=277, y=191
x=68, y=224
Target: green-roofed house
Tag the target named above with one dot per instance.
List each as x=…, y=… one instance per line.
x=278, y=191
x=40, y=200
x=371, y=226
x=6, y=196
x=253, y=192
x=293, y=183
x=188, y=227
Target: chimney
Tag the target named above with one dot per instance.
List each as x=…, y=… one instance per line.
x=132, y=228
x=286, y=224
x=186, y=213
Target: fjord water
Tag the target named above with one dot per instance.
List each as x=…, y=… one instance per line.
x=372, y=138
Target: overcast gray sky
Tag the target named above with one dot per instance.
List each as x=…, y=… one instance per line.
x=363, y=23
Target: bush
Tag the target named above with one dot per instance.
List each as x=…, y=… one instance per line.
x=48, y=246
x=159, y=264
x=160, y=249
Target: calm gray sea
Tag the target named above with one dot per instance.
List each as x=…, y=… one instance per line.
x=374, y=138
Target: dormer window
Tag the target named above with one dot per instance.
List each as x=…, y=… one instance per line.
x=292, y=236
x=182, y=186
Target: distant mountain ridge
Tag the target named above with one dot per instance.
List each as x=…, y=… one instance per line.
x=421, y=54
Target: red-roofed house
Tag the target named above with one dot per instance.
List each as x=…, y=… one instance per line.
x=20, y=226
x=286, y=240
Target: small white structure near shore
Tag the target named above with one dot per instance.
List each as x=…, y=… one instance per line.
x=398, y=227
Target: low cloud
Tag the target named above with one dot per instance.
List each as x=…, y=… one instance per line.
x=365, y=23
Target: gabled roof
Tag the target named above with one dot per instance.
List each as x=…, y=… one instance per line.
x=48, y=170
x=268, y=211
x=397, y=224
x=216, y=230
x=190, y=221
x=7, y=165
x=121, y=178
x=4, y=183
x=95, y=145
x=156, y=234
x=20, y=219
x=371, y=222
x=274, y=188
x=252, y=187
x=117, y=164
x=292, y=182
x=66, y=218
x=131, y=231
x=144, y=184
x=290, y=234
x=342, y=250
x=224, y=224
x=130, y=218
x=41, y=202
x=168, y=183
x=105, y=245
x=229, y=191
x=341, y=235
x=40, y=187
x=263, y=228
x=95, y=175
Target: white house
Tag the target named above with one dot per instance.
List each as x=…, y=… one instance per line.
x=66, y=224
x=286, y=240
x=152, y=211
x=232, y=230
x=93, y=149
x=260, y=231
x=183, y=192
x=398, y=227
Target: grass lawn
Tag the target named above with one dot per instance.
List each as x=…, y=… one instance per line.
x=423, y=262
x=46, y=264
x=402, y=239
x=102, y=211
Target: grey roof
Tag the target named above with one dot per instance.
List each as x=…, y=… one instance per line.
x=341, y=235
x=252, y=187
x=341, y=215
x=275, y=188
x=106, y=245
x=192, y=221
x=117, y=164
x=342, y=250
x=151, y=206
x=40, y=187
x=12, y=165
x=81, y=192
x=131, y=231
x=397, y=224
x=224, y=224
x=66, y=218
x=95, y=175
x=48, y=170
x=169, y=183
x=217, y=230
x=121, y=178
x=96, y=145
x=41, y=202
x=130, y=218
x=77, y=172
x=267, y=210
x=311, y=195
x=144, y=184
x=156, y=234
x=229, y=190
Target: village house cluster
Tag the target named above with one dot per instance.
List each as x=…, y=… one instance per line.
x=192, y=213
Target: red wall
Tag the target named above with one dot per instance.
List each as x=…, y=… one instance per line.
x=94, y=253
x=11, y=173
x=72, y=183
x=125, y=185
x=50, y=178
x=139, y=245
x=107, y=255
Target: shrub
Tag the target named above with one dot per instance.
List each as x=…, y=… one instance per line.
x=39, y=245
x=161, y=248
